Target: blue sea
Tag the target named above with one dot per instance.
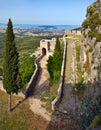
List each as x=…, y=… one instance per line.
x=51, y=27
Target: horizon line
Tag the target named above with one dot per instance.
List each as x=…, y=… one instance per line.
x=43, y=24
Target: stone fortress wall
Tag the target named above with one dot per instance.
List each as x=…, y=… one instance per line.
x=47, y=46
x=72, y=32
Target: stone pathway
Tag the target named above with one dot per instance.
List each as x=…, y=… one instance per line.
x=68, y=100
x=41, y=86
x=43, y=81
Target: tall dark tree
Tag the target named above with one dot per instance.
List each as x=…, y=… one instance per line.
x=55, y=62
x=57, y=56
x=57, y=45
x=50, y=66
x=11, y=76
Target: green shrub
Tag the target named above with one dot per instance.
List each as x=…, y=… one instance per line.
x=78, y=49
x=90, y=10
x=98, y=37
x=27, y=68
x=92, y=21
x=95, y=34
x=90, y=49
x=97, y=121
x=85, y=24
x=96, y=67
x=88, y=109
x=79, y=87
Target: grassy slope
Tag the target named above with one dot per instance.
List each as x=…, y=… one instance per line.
x=21, y=118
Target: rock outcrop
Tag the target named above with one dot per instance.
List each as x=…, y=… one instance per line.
x=91, y=44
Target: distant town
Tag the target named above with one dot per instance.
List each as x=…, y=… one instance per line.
x=41, y=30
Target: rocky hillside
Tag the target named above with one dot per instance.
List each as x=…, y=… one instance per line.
x=89, y=114
x=91, y=43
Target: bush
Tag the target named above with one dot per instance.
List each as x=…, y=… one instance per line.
x=79, y=87
x=92, y=21
x=95, y=34
x=78, y=49
x=87, y=111
x=90, y=49
x=97, y=121
x=27, y=68
x=90, y=10
x=85, y=24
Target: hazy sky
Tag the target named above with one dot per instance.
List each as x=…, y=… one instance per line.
x=70, y=12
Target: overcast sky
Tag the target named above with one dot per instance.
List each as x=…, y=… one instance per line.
x=50, y=12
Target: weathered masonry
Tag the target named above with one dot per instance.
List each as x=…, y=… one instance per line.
x=47, y=46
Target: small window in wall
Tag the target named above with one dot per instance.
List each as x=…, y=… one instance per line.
x=43, y=40
x=43, y=51
x=48, y=45
x=66, y=35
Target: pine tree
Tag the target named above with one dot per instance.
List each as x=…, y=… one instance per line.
x=11, y=76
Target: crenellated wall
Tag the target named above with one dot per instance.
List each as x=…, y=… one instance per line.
x=72, y=32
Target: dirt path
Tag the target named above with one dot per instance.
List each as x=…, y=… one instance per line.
x=41, y=86
x=36, y=107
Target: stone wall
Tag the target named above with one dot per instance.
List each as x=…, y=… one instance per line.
x=60, y=90
x=31, y=85
x=72, y=32
x=49, y=45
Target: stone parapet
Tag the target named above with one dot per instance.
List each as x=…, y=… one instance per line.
x=30, y=87
x=60, y=89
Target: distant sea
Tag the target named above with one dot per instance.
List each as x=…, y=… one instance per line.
x=55, y=27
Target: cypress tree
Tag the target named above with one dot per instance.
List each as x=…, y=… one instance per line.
x=55, y=62
x=57, y=46
x=57, y=56
x=50, y=66
x=11, y=76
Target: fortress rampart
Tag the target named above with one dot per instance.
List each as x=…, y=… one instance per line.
x=72, y=32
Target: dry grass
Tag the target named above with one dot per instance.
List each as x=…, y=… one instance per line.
x=20, y=118
x=49, y=96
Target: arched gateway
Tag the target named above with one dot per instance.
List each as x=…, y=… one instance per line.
x=43, y=51
x=47, y=47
